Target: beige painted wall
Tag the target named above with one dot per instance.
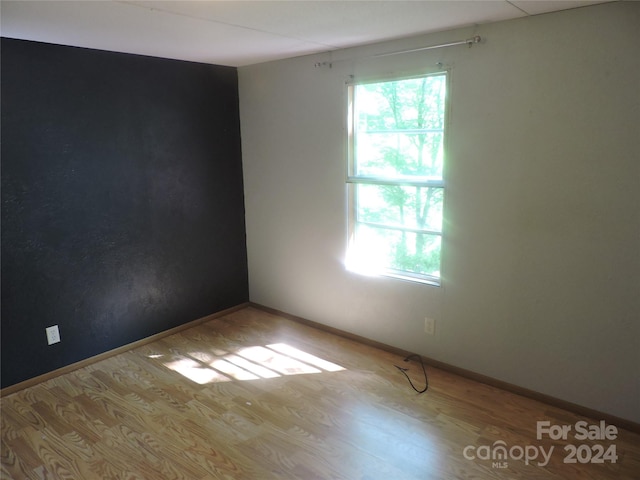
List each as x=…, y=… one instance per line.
x=541, y=262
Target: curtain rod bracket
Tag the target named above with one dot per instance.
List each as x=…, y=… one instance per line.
x=472, y=40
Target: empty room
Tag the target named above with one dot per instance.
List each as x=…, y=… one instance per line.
x=262, y=240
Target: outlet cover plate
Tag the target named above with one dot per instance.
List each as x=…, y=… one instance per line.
x=429, y=326
x=53, y=334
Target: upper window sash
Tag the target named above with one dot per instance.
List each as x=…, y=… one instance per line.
x=355, y=137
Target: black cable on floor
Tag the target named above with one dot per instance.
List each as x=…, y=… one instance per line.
x=404, y=370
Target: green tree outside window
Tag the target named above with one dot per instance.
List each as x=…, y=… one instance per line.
x=397, y=154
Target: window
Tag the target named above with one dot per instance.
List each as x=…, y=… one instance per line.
x=396, y=154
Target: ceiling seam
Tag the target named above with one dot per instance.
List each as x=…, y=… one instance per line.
x=228, y=24
x=516, y=6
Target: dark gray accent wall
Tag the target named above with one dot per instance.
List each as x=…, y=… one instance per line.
x=122, y=200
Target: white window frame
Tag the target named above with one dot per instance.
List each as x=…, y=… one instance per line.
x=353, y=180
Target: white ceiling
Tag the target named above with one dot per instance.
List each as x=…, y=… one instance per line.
x=239, y=33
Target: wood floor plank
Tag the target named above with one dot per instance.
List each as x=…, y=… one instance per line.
x=255, y=396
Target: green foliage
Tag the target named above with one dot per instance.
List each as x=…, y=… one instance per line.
x=424, y=261
x=399, y=135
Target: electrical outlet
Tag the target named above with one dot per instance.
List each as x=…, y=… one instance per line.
x=429, y=326
x=53, y=334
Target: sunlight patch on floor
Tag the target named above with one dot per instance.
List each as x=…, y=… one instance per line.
x=195, y=371
x=248, y=363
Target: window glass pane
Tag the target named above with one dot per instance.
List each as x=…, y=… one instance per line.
x=396, y=134
x=400, y=154
x=397, y=250
x=399, y=128
x=400, y=206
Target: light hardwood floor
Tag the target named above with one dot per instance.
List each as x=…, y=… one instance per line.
x=252, y=395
